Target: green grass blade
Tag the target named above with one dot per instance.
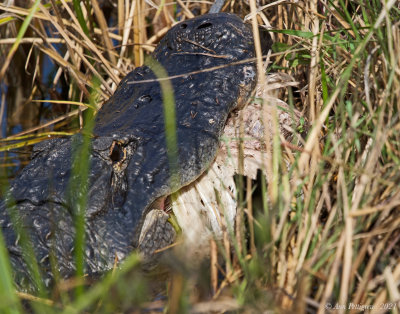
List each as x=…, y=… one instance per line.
x=5, y=20
x=167, y=91
x=96, y=292
x=78, y=186
x=10, y=303
x=79, y=15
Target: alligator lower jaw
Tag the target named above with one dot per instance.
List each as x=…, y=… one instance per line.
x=156, y=235
x=156, y=232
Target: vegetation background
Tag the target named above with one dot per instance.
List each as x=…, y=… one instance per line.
x=327, y=239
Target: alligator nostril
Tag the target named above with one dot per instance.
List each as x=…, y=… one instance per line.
x=205, y=25
x=145, y=98
x=183, y=26
x=142, y=100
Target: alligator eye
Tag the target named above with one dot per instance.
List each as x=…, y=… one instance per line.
x=183, y=26
x=205, y=25
x=116, y=152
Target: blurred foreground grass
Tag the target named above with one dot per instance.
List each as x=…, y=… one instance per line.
x=328, y=236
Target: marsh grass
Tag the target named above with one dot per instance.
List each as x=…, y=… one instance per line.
x=324, y=231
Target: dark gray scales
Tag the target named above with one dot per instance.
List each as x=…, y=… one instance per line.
x=129, y=167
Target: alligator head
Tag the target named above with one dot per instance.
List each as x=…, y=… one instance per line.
x=210, y=64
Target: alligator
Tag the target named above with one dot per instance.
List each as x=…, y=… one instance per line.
x=210, y=64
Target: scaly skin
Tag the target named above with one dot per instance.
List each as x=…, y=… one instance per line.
x=124, y=184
